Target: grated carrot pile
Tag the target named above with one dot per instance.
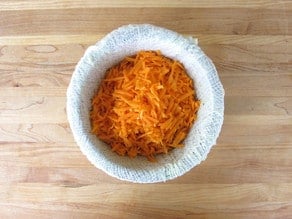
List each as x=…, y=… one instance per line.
x=145, y=105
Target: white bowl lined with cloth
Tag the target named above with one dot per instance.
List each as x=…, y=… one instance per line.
x=126, y=41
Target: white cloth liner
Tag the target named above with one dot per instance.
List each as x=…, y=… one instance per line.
x=128, y=40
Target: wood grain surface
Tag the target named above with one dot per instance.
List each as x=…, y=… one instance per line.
x=248, y=174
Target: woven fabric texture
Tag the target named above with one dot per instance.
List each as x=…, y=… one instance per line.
x=128, y=40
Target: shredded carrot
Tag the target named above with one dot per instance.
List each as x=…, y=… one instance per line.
x=145, y=105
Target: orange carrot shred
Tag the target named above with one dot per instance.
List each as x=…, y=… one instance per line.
x=145, y=105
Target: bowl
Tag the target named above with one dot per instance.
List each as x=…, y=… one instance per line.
x=126, y=41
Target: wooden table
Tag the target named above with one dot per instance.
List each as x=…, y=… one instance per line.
x=247, y=175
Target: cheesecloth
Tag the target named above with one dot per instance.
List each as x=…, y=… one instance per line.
x=128, y=40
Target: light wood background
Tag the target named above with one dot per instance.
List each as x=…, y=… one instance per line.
x=247, y=175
